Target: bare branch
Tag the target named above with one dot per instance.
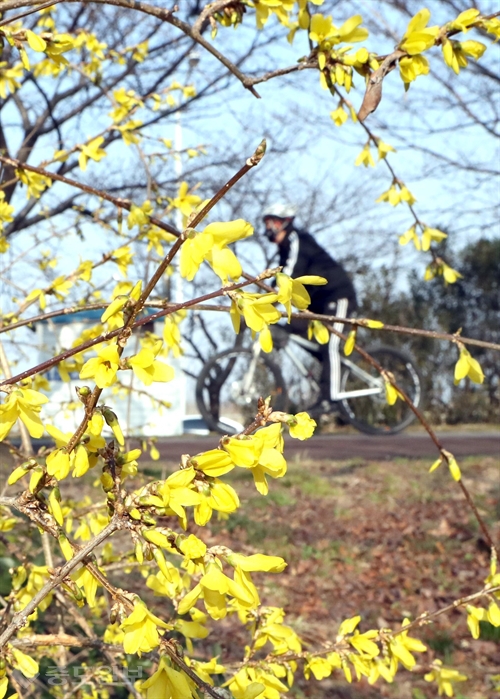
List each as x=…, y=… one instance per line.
x=20, y=619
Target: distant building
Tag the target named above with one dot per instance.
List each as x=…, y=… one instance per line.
x=142, y=412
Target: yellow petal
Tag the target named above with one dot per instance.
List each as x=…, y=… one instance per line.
x=436, y=464
x=350, y=342
x=312, y=279
x=454, y=468
x=81, y=464
x=461, y=367
x=258, y=562
x=214, y=462
x=390, y=393
x=475, y=371
x=374, y=324
x=266, y=340
x=35, y=42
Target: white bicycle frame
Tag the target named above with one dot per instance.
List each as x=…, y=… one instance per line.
x=375, y=384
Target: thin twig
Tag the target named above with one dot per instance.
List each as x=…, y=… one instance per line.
x=119, y=202
x=20, y=619
x=44, y=6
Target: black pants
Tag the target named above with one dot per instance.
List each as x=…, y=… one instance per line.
x=327, y=354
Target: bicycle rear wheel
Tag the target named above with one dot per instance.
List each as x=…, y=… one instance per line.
x=231, y=383
x=372, y=414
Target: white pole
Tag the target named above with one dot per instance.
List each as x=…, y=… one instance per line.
x=176, y=285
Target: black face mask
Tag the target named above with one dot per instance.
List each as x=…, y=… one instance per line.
x=271, y=234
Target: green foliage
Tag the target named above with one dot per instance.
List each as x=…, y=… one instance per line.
x=472, y=305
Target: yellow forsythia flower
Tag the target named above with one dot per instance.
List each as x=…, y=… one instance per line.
x=365, y=157
x=411, y=234
x=25, y=404
x=301, y=426
x=468, y=366
x=102, y=368
x=184, y=201
x=27, y=665
x=261, y=452
x=444, y=678
x=431, y=234
x=147, y=368
x=319, y=331
x=418, y=36
x=402, y=646
x=339, y=116
x=141, y=630
x=455, y=53
x=91, y=151
x=211, y=245
x=168, y=683
x=410, y=67
x=257, y=562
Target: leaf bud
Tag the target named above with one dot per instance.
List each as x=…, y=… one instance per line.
x=83, y=393
x=112, y=421
x=260, y=151
x=72, y=588
x=179, y=650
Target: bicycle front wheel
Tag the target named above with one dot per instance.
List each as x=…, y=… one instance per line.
x=372, y=414
x=231, y=383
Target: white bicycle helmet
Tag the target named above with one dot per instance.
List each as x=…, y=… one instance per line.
x=280, y=210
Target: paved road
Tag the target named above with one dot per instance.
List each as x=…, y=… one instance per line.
x=341, y=447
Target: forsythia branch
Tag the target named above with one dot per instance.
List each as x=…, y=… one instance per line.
x=20, y=619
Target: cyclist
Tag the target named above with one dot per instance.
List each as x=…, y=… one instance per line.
x=299, y=255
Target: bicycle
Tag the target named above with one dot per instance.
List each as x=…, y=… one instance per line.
x=231, y=382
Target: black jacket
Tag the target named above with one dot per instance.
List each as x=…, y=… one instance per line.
x=300, y=254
